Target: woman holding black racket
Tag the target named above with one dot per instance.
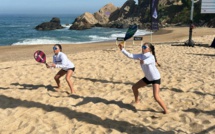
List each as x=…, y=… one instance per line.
x=60, y=60
x=152, y=76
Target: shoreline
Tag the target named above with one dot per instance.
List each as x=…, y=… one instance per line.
x=170, y=34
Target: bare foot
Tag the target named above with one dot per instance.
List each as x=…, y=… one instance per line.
x=165, y=112
x=72, y=91
x=67, y=92
x=56, y=87
x=135, y=102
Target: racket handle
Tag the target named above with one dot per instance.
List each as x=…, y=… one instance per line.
x=47, y=65
x=122, y=42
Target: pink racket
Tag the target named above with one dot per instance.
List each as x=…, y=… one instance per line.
x=40, y=56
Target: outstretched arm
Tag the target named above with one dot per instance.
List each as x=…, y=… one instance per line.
x=129, y=55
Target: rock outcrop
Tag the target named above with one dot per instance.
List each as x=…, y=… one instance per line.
x=52, y=25
x=104, y=13
x=171, y=13
x=100, y=18
x=85, y=21
x=125, y=16
x=111, y=16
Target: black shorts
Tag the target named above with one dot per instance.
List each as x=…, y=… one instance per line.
x=151, y=82
x=73, y=69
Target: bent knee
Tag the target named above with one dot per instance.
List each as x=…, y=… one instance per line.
x=67, y=78
x=134, y=87
x=56, y=77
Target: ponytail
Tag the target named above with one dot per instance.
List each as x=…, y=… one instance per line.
x=153, y=52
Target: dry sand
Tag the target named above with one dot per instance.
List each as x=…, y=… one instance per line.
x=103, y=78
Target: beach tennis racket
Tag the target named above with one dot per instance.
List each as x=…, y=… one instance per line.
x=40, y=56
x=129, y=33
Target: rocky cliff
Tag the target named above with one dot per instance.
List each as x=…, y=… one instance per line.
x=171, y=12
x=110, y=16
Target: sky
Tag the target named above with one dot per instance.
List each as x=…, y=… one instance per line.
x=54, y=6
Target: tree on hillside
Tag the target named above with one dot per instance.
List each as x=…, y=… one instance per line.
x=186, y=3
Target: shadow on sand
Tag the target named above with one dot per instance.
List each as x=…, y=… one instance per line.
x=197, y=111
x=104, y=81
x=34, y=87
x=121, y=126
x=101, y=100
x=210, y=55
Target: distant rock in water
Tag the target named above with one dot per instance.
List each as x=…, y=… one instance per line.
x=52, y=25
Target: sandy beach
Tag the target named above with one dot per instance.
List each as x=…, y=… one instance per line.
x=103, y=79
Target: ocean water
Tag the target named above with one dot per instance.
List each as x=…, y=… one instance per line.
x=19, y=30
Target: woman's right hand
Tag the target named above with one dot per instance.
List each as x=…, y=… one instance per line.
x=47, y=65
x=120, y=46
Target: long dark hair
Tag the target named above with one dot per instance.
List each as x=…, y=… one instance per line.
x=152, y=48
x=60, y=47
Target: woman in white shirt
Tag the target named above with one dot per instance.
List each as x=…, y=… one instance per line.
x=60, y=60
x=152, y=76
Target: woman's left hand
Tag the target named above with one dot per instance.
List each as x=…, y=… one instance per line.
x=47, y=65
x=141, y=61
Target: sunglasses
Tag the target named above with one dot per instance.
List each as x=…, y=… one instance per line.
x=144, y=47
x=55, y=48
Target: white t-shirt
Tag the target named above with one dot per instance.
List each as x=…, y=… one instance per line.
x=149, y=67
x=62, y=61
